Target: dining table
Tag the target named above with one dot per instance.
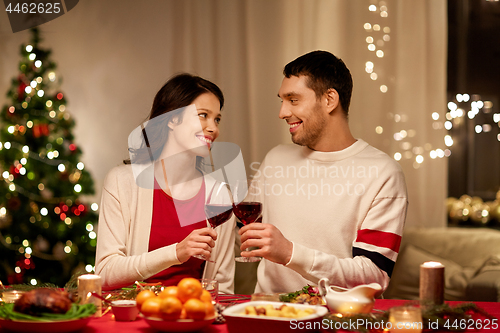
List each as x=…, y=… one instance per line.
x=107, y=323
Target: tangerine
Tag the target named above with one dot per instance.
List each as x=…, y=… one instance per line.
x=205, y=296
x=183, y=314
x=195, y=309
x=170, y=291
x=151, y=307
x=143, y=296
x=189, y=288
x=170, y=308
x=210, y=310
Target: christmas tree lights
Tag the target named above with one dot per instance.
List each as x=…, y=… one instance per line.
x=46, y=230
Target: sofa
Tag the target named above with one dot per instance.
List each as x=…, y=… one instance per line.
x=471, y=257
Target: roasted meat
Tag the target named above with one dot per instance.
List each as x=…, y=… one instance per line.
x=42, y=300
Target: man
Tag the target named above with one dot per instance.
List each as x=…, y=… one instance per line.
x=333, y=206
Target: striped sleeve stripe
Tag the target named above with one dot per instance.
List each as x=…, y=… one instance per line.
x=379, y=238
x=382, y=250
x=378, y=259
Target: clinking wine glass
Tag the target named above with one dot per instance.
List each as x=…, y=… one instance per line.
x=218, y=207
x=247, y=212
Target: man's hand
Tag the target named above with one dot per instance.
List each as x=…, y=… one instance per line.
x=272, y=244
x=198, y=242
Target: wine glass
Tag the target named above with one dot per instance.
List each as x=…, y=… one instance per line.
x=218, y=207
x=247, y=212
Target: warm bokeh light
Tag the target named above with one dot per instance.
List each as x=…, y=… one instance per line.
x=448, y=141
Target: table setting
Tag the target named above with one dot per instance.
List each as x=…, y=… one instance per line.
x=197, y=306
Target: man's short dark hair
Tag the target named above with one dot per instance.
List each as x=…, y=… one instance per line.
x=324, y=71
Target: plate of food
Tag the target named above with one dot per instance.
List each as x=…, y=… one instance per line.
x=272, y=317
x=307, y=295
x=45, y=310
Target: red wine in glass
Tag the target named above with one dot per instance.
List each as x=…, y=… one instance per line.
x=218, y=214
x=248, y=212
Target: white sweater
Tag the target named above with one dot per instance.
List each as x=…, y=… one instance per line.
x=125, y=217
x=343, y=211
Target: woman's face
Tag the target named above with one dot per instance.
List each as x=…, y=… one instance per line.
x=199, y=126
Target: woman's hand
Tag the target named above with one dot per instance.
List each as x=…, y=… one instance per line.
x=198, y=242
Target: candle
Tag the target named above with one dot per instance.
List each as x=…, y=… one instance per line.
x=88, y=284
x=11, y=296
x=432, y=282
x=405, y=319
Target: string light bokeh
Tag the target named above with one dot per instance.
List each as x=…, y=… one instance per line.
x=42, y=218
x=378, y=36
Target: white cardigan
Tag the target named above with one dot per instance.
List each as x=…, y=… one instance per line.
x=125, y=217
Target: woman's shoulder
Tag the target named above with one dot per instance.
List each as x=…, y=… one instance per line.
x=122, y=170
x=121, y=174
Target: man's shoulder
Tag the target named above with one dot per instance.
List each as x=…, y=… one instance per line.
x=377, y=158
x=377, y=154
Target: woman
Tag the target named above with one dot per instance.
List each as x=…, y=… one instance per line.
x=152, y=223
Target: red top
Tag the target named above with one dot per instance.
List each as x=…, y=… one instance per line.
x=166, y=229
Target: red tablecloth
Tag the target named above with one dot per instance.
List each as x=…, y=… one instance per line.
x=107, y=324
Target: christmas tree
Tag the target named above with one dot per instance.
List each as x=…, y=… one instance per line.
x=46, y=231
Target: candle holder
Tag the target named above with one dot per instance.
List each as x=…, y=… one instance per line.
x=89, y=284
x=432, y=283
x=405, y=319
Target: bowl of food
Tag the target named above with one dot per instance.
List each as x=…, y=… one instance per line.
x=183, y=308
x=272, y=317
x=125, y=309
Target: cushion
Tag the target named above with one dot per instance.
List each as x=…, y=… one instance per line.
x=484, y=287
x=490, y=264
x=406, y=276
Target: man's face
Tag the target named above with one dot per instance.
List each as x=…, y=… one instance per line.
x=302, y=111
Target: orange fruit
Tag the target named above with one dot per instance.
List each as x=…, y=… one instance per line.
x=151, y=307
x=206, y=297
x=189, y=288
x=209, y=310
x=170, y=308
x=195, y=309
x=183, y=314
x=168, y=292
x=142, y=296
